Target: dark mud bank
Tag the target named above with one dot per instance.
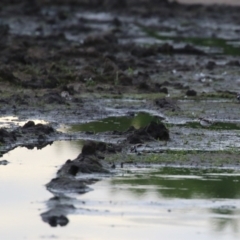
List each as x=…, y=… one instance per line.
x=29, y=135
x=76, y=176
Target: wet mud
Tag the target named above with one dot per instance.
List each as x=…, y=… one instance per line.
x=75, y=63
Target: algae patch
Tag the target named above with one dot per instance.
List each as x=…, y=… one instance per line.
x=223, y=46
x=114, y=123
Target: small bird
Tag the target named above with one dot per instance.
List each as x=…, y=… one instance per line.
x=205, y=122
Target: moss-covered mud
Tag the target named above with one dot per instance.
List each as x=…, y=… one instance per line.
x=185, y=159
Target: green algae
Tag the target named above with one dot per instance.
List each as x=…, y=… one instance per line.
x=222, y=44
x=183, y=183
x=191, y=158
x=114, y=123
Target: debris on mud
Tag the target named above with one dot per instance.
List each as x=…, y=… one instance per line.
x=7, y=137
x=191, y=93
x=167, y=104
x=89, y=161
x=30, y=134
x=71, y=179
x=153, y=131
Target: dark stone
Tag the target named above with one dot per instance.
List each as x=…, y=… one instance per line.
x=39, y=129
x=163, y=90
x=44, y=128
x=153, y=131
x=191, y=93
x=143, y=86
x=53, y=98
x=101, y=146
x=166, y=103
x=6, y=136
x=4, y=133
x=134, y=139
x=156, y=130
x=89, y=148
x=73, y=170
x=29, y=124
x=210, y=65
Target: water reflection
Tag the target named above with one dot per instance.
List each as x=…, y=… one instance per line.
x=142, y=200
x=185, y=183
x=216, y=191
x=22, y=186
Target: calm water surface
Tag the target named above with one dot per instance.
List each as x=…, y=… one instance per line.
x=140, y=203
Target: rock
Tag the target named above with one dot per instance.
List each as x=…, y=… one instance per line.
x=53, y=97
x=210, y=65
x=4, y=162
x=29, y=124
x=191, y=93
x=143, y=86
x=89, y=148
x=68, y=185
x=6, y=136
x=38, y=129
x=166, y=103
x=154, y=130
x=82, y=164
x=88, y=161
x=163, y=90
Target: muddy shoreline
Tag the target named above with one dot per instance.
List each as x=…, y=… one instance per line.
x=74, y=63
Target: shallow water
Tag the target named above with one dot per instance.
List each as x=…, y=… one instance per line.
x=138, y=203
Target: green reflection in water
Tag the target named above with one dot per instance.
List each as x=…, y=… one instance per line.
x=114, y=123
x=184, y=183
x=192, y=184
x=206, y=42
